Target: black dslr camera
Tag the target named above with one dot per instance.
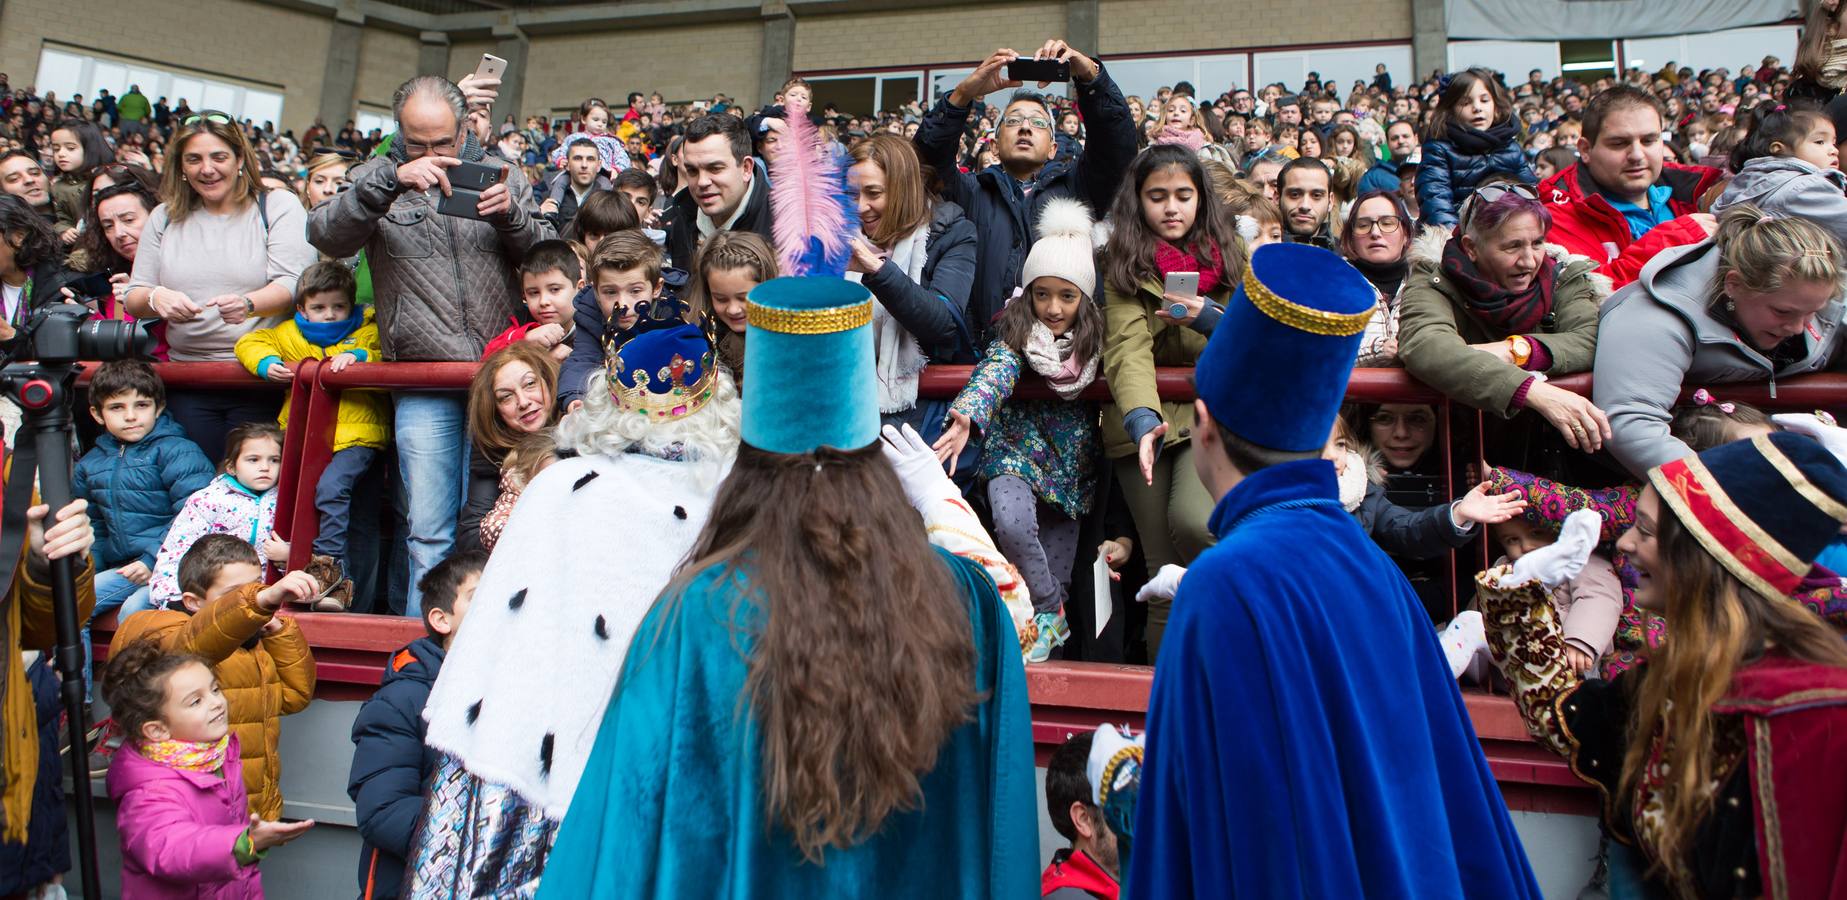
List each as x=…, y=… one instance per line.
x=66, y=333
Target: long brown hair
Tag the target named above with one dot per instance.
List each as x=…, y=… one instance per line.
x=907, y=203
x=1461, y=84
x=1715, y=624
x=492, y=436
x=179, y=196
x=852, y=708
x=1017, y=318
x=1128, y=258
x=723, y=252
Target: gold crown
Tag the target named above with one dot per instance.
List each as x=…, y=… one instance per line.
x=677, y=402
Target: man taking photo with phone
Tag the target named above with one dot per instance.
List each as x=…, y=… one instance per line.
x=1004, y=199
x=445, y=285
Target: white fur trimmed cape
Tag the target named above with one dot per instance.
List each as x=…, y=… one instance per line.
x=525, y=682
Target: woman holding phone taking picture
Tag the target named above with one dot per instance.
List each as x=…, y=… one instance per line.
x=1168, y=230
x=216, y=260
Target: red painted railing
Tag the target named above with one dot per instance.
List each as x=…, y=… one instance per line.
x=351, y=650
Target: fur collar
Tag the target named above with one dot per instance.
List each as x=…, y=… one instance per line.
x=1427, y=250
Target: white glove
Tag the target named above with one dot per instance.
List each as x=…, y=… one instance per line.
x=1164, y=584
x=918, y=469
x=1833, y=437
x=1561, y=562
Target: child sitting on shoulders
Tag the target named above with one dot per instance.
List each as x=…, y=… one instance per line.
x=550, y=276
x=329, y=325
x=182, y=813
x=1471, y=135
x=240, y=502
x=227, y=617
x=530, y=456
x=390, y=761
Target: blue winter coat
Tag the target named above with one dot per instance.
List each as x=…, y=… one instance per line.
x=136, y=489
x=390, y=765
x=1447, y=175
x=1003, y=213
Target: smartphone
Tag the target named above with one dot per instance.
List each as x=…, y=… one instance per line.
x=91, y=287
x=1039, y=70
x=466, y=182
x=491, y=66
x=1182, y=284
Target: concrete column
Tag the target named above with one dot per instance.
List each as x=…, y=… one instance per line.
x=512, y=46
x=778, y=61
x=1083, y=31
x=433, y=56
x=340, y=80
x=1429, y=40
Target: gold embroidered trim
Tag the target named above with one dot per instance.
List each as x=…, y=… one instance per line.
x=1725, y=555
x=1766, y=803
x=1302, y=318
x=831, y=320
x=1796, y=479
x=1108, y=778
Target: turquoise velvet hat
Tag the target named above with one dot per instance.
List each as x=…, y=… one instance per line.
x=1276, y=368
x=808, y=366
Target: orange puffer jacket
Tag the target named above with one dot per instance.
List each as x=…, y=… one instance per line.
x=262, y=684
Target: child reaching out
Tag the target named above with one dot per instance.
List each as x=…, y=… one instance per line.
x=1403, y=531
x=1471, y=135
x=240, y=502
x=729, y=264
x=228, y=618
x=1040, y=464
x=182, y=813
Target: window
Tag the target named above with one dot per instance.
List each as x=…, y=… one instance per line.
x=69, y=71
x=370, y=119
x=1515, y=58
x=1337, y=65
x=1209, y=75
x=859, y=95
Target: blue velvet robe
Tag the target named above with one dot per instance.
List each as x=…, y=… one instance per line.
x=1305, y=738
x=670, y=804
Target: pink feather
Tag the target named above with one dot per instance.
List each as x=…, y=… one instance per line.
x=808, y=206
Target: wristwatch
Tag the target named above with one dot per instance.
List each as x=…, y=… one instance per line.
x=1522, y=349
x=250, y=306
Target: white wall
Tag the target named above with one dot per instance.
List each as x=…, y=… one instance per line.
x=1211, y=75
x=1731, y=49
x=1512, y=58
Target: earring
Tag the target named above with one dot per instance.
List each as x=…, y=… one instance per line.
x=1730, y=306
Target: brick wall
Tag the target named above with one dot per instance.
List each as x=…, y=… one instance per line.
x=957, y=34
x=681, y=63
x=243, y=40
x=1156, y=26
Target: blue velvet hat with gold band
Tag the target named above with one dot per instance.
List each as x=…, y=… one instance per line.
x=808, y=364
x=1276, y=367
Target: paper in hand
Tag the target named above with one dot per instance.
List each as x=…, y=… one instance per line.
x=1101, y=595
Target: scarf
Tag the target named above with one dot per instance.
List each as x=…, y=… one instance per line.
x=1476, y=141
x=1185, y=137
x=1056, y=360
x=897, y=359
x=1385, y=277
x=1834, y=68
x=1169, y=258
x=192, y=756
x=1502, y=310
x=327, y=334
x=1353, y=482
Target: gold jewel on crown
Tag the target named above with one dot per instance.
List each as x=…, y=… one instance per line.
x=678, y=401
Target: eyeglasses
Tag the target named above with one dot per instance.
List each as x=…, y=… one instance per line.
x=1492, y=192
x=1385, y=224
x=1042, y=124
x=209, y=115
x=1412, y=421
x=326, y=151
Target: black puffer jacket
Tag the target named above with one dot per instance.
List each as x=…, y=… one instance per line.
x=683, y=223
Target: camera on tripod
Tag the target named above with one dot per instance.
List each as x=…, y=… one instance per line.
x=66, y=333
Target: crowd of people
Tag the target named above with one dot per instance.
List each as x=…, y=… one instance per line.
x=677, y=360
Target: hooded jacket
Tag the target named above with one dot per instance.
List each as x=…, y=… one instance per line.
x=390, y=765
x=223, y=506
x=442, y=285
x=1789, y=187
x=135, y=490
x=1436, y=328
x=262, y=683
x=178, y=829
x=1584, y=222
x=1659, y=338
x=364, y=417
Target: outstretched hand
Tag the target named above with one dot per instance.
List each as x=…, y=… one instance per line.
x=917, y=467
x=264, y=835
x=955, y=437
x=1480, y=507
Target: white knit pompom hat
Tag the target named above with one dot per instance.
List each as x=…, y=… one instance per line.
x=1064, y=249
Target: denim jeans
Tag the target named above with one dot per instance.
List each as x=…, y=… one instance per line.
x=113, y=592
x=333, y=499
x=432, y=436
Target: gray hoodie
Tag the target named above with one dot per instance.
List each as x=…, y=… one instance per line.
x=1656, y=340
x=1786, y=187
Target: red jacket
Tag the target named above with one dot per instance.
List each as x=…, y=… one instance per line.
x=1074, y=870
x=1585, y=223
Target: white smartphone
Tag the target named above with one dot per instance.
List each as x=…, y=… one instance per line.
x=491, y=66
x=1181, y=284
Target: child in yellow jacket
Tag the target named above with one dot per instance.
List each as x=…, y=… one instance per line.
x=327, y=325
x=262, y=662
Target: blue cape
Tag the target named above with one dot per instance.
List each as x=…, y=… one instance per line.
x=670, y=803
x=1305, y=738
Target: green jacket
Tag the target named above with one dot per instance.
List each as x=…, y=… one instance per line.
x=1436, y=329
x=1135, y=341
x=132, y=107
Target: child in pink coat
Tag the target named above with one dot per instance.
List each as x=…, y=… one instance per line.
x=181, y=811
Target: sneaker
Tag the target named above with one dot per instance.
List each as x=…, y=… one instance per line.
x=1052, y=634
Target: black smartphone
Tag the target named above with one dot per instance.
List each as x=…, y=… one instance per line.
x=466, y=182
x=1029, y=70
x=91, y=287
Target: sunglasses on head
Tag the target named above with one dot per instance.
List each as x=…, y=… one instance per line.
x=1489, y=193
x=209, y=115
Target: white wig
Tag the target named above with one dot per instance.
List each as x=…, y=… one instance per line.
x=709, y=437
